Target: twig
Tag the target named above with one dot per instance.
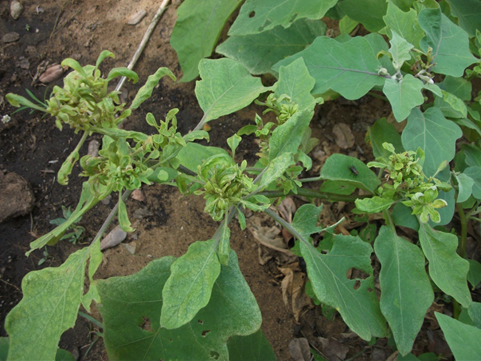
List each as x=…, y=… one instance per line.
x=144, y=41
x=11, y=284
x=58, y=18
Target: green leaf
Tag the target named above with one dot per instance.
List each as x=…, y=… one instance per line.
x=336, y=187
x=336, y=66
x=233, y=143
x=61, y=355
x=189, y=287
x=449, y=42
x=296, y=82
x=400, y=50
x=193, y=154
x=131, y=312
x=103, y=55
x=451, y=105
x=475, y=174
x=257, y=16
x=226, y=87
x=198, y=27
x=465, y=185
x=474, y=312
x=259, y=52
x=473, y=154
x=446, y=268
x=404, y=23
x=253, y=347
x=145, y=92
x=18, y=101
x=403, y=95
x=163, y=175
x=384, y=132
x=434, y=134
x=402, y=216
x=355, y=299
x=338, y=168
x=368, y=12
x=462, y=339
x=224, y=243
x=51, y=300
x=95, y=259
x=373, y=205
x=347, y=25
x=275, y=169
x=287, y=137
x=406, y=292
x=458, y=86
x=446, y=213
x=116, y=72
x=123, y=216
x=474, y=274
x=468, y=13
x=306, y=218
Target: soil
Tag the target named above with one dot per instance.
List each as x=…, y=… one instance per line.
x=166, y=222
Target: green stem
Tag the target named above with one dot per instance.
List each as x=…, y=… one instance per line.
x=464, y=230
x=378, y=96
x=313, y=179
x=388, y=219
x=287, y=226
x=309, y=193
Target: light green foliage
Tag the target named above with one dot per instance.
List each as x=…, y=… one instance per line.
x=192, y=155
x=404, y=95
x=434, y=134
x=373, y=205
x=259, y=52
x=189, y=287
x=342, y=72
x=355, y=299
x=296, y=82
x=196, y=31
x=257, y=16
x=446, y=268
x=226, y=86
x=61, y=355
x=368, y=12
x=400, y=50
x=275, y=169
x=254, y=347
x=338, y=168
x=462, y=339
x=406, y=295
x=403, y=23
x=131, y=310
x=449, y=43
x=51, y=299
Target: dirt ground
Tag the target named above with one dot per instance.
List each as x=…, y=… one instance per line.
x=166, y=223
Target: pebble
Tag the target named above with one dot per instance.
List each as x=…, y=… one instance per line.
x=10, y=37
x=16, y=9
x=137, y=17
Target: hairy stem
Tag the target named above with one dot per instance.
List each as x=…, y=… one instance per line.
x=309, y=193
x=464, y=230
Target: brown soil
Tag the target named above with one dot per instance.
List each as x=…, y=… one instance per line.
x=166, y=222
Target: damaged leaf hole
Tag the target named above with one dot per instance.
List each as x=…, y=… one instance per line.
x=146, y=324
x=252, y=14
x=204, y=333
x=201, y=322
x=214, y=355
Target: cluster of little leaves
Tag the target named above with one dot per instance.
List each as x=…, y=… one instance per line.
x=406, y=183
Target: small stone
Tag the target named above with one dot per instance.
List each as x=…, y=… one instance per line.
x=138, y=195
x=137, y=17
x=23, y=63
x=16, y=196
x=116, y=236
x=93, y=149
x=16, y=9
x=11, y=37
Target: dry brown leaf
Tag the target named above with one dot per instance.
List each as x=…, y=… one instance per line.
x=333, y=349
x=116, y=236
x=431, y=318
x=138, y=195
x=293, y=293
x=286, y=209
x=299, y=349
x=344, y=137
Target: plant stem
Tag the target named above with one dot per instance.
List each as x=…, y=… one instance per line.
x=464, y=230
x=201, y=123
x=309, y=193
x=378, y=96
x=287, y=226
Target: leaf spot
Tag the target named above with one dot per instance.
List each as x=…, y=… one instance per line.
x=146, y=324
x=214, y=354
x=204, y=333
x=252, y=14
x=201, y=322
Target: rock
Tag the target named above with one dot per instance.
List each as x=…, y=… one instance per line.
x=137, y=17
x=16, y=196
x=10, y=37
x=116, y=236
x=52, y=73
x=16, y=9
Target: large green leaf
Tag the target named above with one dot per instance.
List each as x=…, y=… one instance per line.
x=256, y=16
x=254, y=347
x=473, y=154
x=406, y=292
x=474, y=274
x=381, y=132
x=287, y=137
x=355, y=299
x=275, y=169
x=61, y=355
x=400, y=49
x=404, y=23
x=462, y=339
x=446, y=268
x=189, y=287
x=198, y=26
x=468, y=13
x=449, y=42
x=434, y=134
x=226, y=87
x=131, y=308
x=474, y=312
x=475, y=174
x=349, y=68
x=339, y=167
x=51, y=300
x=296, y=82
x=259, y=52
x=305, y=220
x=368, y=12
x=403, y=95
x=465, y=187
x=193, y=154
